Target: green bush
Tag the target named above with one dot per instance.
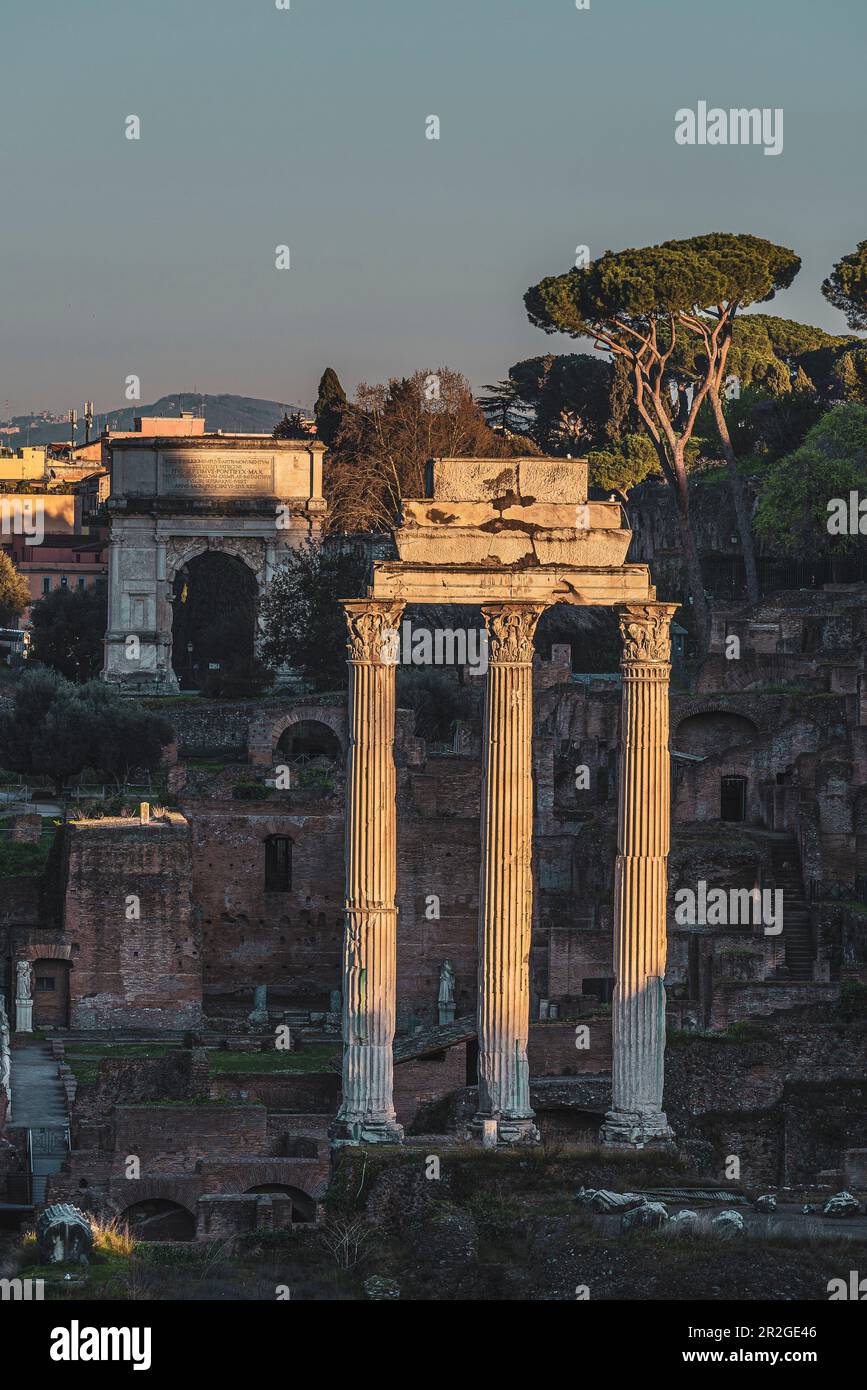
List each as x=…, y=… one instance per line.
x=251, y=791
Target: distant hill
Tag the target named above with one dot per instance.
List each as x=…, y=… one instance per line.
x=243, y=414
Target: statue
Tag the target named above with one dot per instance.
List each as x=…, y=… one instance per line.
x=5, y=1059
x=259, y=1016
x=23, y=999
x=23, y=977
x=446, y=998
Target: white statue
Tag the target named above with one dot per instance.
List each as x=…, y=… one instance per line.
x=446, y=999
x=23, y=998
x=5, y=1058
x=24, y=976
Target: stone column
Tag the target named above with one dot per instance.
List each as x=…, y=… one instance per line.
x=370, y=935
x=636, y=1118
x=506, y=880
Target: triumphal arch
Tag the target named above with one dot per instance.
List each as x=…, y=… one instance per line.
x=174, y=499
x=512, y=537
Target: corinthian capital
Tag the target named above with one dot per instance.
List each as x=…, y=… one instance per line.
x=510, y=630
x=645, y=630
x=373, y=627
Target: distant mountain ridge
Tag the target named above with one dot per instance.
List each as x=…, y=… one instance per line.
x=241, y=414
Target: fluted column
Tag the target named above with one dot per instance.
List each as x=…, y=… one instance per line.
x=506, y=880
x=636, y=1117
x=370, y=934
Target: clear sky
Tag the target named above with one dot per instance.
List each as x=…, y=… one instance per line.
x=306, y=127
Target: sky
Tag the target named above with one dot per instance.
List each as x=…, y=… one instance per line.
x=306, y=127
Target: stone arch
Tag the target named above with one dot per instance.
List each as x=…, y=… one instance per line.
x=712, y=731
x=159, y=1218
x=43, y=951
x=215, y=592
x=251, y=551
x=266, y=731
x=303, y=1205
x=183, y=1189
x=690, y=708
x=304, y=1176
x=310, y=739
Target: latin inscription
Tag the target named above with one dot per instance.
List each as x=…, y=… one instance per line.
x=188, y=474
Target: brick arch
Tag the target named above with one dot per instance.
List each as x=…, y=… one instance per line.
x=264, y=827
x=156, y=1190
x=265, y=731
x=301, y=1200
x=49, y=951
x=174, y=1209
x=695, y=707
x=307, y=1180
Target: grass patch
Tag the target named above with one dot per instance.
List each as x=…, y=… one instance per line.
x=311, y=1059
x=85, y=1058
x=27, y=860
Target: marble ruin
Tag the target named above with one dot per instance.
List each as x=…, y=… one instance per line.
x=173, y=500
x=513, y=537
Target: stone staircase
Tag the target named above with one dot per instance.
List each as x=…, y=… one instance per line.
x=39, y=1105
x=797, y=935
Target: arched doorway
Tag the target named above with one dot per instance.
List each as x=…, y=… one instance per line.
x=311, y=739
x=50, y=993
x=713, y=731
x=303, y=1207
x=159, y=1219
x=214, y=603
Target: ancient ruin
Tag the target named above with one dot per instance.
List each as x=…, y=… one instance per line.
x=514, y=539
x=501, y=929
x=240, y=499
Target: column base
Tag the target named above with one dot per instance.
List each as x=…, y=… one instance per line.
x=637, y=1129
x=364, y=1130
x=510, y=1130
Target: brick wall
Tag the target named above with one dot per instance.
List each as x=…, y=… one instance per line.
x=127, y=916
x=426, y=1080
x=290, y=941
x=305, y=1093
x=552, y=1050
x=179, y=1136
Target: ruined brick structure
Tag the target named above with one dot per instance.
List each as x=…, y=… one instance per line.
x=210, y=930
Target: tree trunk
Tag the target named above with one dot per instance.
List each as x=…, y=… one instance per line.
x=740, y=501
x=674, y=472
x=700, y=607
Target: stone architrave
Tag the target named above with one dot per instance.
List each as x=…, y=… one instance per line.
x=506, y=880
x=636, y=1118
x=367, y=1112
x=23, y=997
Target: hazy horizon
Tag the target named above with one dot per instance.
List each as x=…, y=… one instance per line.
x=306, y=127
